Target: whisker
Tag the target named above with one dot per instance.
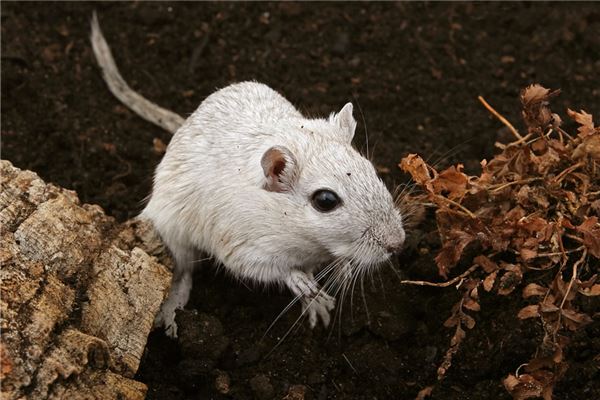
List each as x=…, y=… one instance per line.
x=202, y=259
x=337, y=283
x=381, y=282
x=449, y=153
x=333, y=266
x=395, y=271
x=352, y=285
x=364, y=124
x=322, y=273
x=344, y=285
x=362, y=289
x=280, y=341
x=286, y=308
x=361, y=249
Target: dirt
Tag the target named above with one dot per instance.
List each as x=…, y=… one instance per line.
x=415, y=71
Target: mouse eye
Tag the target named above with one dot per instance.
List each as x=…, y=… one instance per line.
x=325, y=200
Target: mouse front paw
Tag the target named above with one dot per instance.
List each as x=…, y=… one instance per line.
x=166, y=318
x=316, y=303
x=318, y=307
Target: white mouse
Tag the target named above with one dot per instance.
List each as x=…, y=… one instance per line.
x=271, y=195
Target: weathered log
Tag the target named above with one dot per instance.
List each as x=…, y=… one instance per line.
x=79, y=293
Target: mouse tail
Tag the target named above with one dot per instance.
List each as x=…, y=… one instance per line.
x=151, y=112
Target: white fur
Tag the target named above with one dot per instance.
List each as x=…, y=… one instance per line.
x=211, y=195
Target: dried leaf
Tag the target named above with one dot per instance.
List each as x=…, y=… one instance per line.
x=417, y=168
x=591, y=235
x=485, y=263
x=452, y=181
x=589, y=147
x=488, y=282
x=531, y=311
x=523, y=387
x=584, y=119
x=425, y=392
x=528, y=254
x=534, y=94
x=536, y=113
x=547, y=307
x=457, y=338
x=533, y=289
x=557, y=357
x=467, y=320
x=510, y=280
x=596, y=206
x=591, y=291
x=472, y=305
x=451, y=321
x=510, y=382
x=577, y=318
x=533, y=225
x=452, y=250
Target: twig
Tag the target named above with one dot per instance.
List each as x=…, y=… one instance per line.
x=565, y=133
x=572, y=168
x=505, y=185
x=457, y=338
x=562, y=303
x=575, y=238
x=573, y=277
x=500, y=117
x=524, y=139
x=463, y=208
x=442, y=284
x=349, y=363
x=557, y=253
x=519, y=368
x=560, y=253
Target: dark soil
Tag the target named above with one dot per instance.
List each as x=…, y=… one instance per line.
x=415, y=69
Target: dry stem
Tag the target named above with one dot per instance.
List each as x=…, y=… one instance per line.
x=573, y=277
x=442, y=284
x=572, y=168
x=463, y=208
x=505, y=185
x=500, y=117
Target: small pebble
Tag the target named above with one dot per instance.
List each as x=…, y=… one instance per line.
x=261, y=386
x=222, y=382
x=296, y=392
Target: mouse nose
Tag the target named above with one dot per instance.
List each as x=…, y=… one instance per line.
x=395, y=247
x=396, y=242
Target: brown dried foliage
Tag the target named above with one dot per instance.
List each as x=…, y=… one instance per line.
x=534, y=207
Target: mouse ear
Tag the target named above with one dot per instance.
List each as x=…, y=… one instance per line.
x=345, y=121
x=280, y=168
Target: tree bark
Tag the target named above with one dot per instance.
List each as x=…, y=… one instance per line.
x=79, y=293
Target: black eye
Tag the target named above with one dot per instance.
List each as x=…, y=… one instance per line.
x=325, y=200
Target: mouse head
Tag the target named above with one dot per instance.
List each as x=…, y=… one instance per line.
x=344, y=206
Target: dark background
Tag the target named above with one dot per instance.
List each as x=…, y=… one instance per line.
x=414, y=71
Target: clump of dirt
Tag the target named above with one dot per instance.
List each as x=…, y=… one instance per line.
x=414, y=71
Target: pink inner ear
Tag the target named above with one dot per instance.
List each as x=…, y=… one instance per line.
x=273, y=163
x=277, y=167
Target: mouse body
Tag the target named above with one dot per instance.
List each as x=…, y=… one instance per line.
x=269, y=194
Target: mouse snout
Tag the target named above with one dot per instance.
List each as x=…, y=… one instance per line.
x=395, y=247
x=395, y=243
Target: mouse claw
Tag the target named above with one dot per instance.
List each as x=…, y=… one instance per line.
x=171, y=330
x=316, y=303
x=166, y=319
x=318, y=308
